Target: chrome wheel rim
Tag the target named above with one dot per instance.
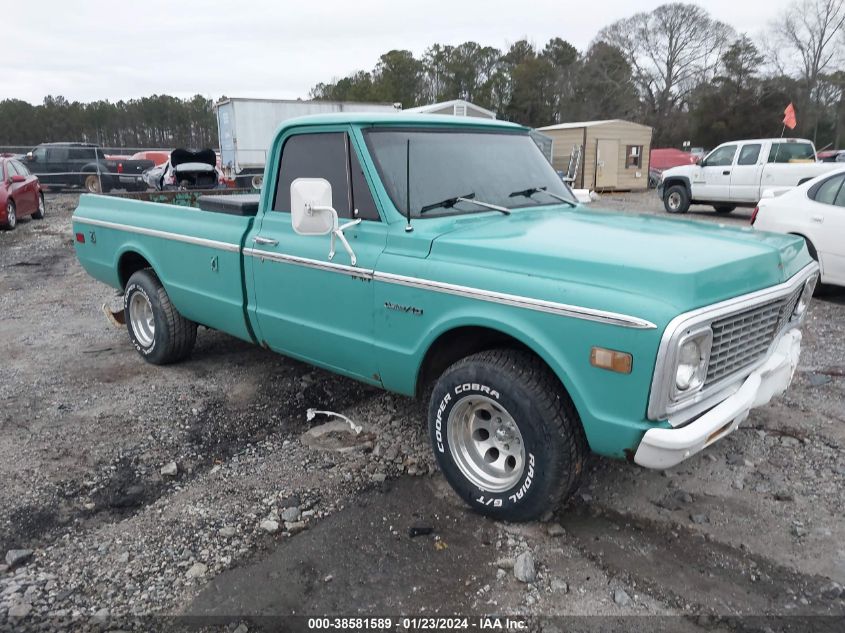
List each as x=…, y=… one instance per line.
x=142, y=319
x=674, y=201
x=92, y=184
x=257, y=181
x=11, y=218
x=486, y=443
x=41, y=205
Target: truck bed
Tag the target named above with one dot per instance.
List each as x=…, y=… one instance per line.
x=194, y=247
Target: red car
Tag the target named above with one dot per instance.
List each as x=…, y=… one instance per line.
x=20, y=193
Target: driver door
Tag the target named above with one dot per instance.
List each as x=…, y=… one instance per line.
x=713, y=182
x=306, y=305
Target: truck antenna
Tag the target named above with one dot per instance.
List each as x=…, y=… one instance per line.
x=408, y=227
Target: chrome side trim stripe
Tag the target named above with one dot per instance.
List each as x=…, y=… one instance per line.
x=552, y=307
x=177, y=237
x=355, y=271
x=540, y=305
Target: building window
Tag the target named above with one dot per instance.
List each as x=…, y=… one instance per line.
x=634, y=157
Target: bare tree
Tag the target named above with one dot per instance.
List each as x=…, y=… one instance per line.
x=809, y=35
x=671, y=50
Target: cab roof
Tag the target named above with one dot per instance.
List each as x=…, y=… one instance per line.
x=401, y=118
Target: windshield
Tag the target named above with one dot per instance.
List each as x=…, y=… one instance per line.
x=447, y=164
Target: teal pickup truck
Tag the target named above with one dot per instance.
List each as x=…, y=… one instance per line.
x=442, y=257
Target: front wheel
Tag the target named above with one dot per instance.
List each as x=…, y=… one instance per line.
x=676, y=199
x=42, y=209
x=724, y=208
x=159, y=333
x=506, y=435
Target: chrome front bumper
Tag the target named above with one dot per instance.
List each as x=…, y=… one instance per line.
x=662, y=448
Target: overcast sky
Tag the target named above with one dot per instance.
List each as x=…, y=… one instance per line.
x=119, y=49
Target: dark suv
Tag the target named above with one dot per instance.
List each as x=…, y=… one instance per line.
x=84, y=165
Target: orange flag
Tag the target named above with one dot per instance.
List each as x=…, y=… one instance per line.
x=789, y=119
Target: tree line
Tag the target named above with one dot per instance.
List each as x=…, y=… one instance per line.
x=157, y=121
x=676, y=68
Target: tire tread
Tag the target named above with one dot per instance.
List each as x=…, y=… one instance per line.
x=550, y=396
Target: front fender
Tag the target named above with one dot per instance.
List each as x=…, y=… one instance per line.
x=612, y=406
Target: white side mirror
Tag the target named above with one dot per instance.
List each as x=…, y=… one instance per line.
x=311, y=206
x=312, y=213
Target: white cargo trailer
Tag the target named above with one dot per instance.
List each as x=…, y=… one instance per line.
x=246, y=128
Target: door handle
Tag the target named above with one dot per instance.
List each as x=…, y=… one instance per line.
x=265, y=240
x=727, y=172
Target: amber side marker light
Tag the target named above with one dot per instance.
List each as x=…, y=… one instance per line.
x=620, y=362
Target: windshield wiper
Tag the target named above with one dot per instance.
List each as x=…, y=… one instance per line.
x=448, y=203
x=532, y=190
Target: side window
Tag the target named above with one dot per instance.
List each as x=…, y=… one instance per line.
x=81, y=153
x=57, y=154
x=20, y=168
x=10, y=169
x=40, y=154
x=839, y=201
x=362, y=198
x=788, y=152
x=749, y=154
x=826, y=191
x=721, y=157
x=633, y=156
x=318, y=155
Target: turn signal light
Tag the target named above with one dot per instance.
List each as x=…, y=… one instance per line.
x=609, y=359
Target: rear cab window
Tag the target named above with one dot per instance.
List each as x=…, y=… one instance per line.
x=792, y=152
x=326, y=155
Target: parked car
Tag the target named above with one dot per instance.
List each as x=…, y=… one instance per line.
x=816, y=212
x=84, y=165
x=735, y=174
x=465, y=269
x=158, y=157
x=186, y=169
x=832, y=156
x=20, y=193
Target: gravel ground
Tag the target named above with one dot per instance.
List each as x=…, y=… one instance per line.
x=137, y=492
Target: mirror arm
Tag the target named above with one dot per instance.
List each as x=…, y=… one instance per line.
x=338, y=232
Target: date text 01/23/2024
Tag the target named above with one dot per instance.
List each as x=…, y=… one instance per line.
x=418, y=623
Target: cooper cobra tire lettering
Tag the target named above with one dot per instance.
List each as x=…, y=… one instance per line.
x=529, y=396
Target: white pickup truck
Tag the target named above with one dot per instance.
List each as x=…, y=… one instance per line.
x=735, y=174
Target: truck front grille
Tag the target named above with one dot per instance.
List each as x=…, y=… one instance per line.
x=741, y=339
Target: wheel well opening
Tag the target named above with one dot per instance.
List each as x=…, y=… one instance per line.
x=130, y=263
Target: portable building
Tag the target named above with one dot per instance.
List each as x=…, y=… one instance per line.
x=609, y=155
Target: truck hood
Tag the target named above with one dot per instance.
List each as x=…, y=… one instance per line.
x=680, y=263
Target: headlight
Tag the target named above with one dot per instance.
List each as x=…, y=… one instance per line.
x=804, y=299
x=693, y=358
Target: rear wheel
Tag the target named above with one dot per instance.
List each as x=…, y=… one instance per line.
x=11, y=215
x=157, y=330
x=506, y=435
x=92, y=183
x=42, y=209
x=723, y=208
x=676, y=199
